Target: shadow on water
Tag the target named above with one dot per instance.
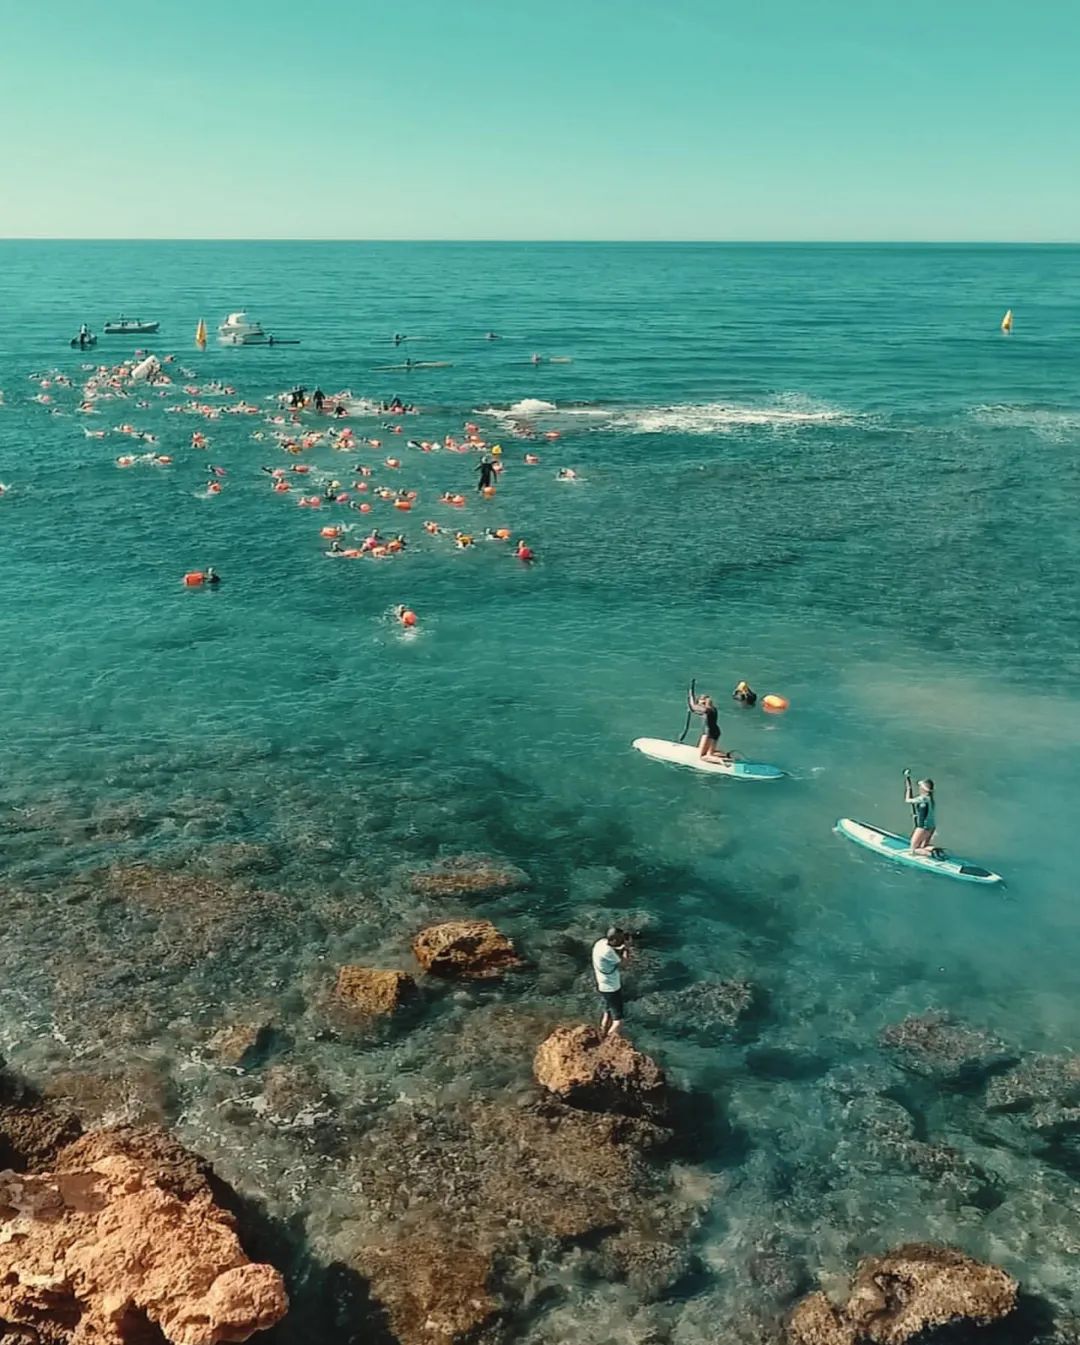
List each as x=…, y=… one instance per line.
x=327, y=1301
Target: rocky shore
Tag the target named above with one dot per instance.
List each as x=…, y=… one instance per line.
x=488, y=1162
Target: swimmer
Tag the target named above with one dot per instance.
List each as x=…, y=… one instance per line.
x=462, y=540
x=487, y=471
x=744, y=694
x=212, y=576
x=318, y=397
x=491, y=336
x=566, y=474
x=535, y=359
x=708, y=743
x=524, y=552
x=218, y=471
x=924, y=815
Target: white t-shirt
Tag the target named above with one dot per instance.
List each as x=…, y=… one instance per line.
x=605, y=964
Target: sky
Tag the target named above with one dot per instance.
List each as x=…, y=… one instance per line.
x=935, y=120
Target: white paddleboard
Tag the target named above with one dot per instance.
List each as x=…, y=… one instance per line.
x=685, y=754
x=897, y=848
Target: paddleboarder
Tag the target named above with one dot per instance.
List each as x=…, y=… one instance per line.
x=924, y=814
x=708, y=746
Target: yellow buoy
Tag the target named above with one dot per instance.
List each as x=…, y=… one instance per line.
x=200, y=335
x=1006, y=322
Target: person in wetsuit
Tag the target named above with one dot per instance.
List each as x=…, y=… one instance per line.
x=708, y=745
x=487, y=474
x=318, y=397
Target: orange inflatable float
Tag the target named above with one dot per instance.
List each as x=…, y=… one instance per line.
x=775, y=704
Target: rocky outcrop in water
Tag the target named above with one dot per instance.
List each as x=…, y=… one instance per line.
x=124, y=1235
x=365, y=991
x=938, y=1047
x=461, y=1210
x=469, y=876
x=896, y=1297
x=237, y=1045
x=711, y=1010
x=596, y=1073
x=465, y=950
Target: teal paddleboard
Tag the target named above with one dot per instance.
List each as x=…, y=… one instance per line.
x=898, y=849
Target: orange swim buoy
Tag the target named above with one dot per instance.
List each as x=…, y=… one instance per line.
x=365, y=508
x=403, y=504
x=281, y=487
x=378, y=550
x=352, y=552
x=329, y=532
x=194, y=578
x=503, y=534
x=408, y=617
x=775, y=704
x=489, y=492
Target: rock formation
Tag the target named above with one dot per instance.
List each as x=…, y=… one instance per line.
x=595, y=1073
x=894, y=1298
x=467, y=875
x=123, y=1233
x=365, y=991
x=447, y=1195
x=938, y=1047
x=467, y=950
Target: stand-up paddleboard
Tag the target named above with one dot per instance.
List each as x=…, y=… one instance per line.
x=683, y=754
x=897, y=848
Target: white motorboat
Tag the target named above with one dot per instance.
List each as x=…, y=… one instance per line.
x=122, y=326
x=239, y=330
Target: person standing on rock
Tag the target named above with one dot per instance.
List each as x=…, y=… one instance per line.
x=608, y=955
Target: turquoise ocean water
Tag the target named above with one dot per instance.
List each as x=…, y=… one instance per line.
x=822, y=469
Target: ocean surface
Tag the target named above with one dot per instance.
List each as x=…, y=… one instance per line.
x=823, y=469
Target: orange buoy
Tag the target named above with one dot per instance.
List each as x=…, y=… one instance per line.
x=403, y=504
x=775, y=704
x=408, y=617
x=329, y=532
x=352, y=552
x=378, y=550
x=489, y=492
x=194, y=578
x=503, y=534
x=365, y=508
x=552, y=434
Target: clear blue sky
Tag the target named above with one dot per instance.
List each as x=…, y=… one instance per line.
x=681, y=119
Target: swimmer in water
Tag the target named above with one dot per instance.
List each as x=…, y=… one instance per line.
x=318, y=397
x=566, y=474
x=744, y=694
x=491, y=336
x=487, y=474
x=708, y=747
x=212, y=576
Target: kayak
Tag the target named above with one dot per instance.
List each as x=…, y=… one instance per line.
x=898, y=848
x=684, y=754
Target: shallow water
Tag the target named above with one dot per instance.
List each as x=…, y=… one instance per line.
x=822, y=469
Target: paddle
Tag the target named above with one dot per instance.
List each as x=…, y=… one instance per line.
x=686, y=727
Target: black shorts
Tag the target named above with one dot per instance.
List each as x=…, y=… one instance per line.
x=613, y=1003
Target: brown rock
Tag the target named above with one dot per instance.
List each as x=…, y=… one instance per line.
x=236, y=1044
x=434, y=1289
x=816, y=1322
x=31, y=1137
x=467, y=875
x=444, y=1191
x=468, y=950
x=373, y=992
x=86, y=1251
x=898, y=1296
x=138, y=1092
x=596, y=1073
x=164, y=1160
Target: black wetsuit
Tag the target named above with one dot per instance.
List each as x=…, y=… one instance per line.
x=712, y=723
x=318, y=397
x=487, y=475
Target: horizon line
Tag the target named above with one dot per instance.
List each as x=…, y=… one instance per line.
x=571, y=242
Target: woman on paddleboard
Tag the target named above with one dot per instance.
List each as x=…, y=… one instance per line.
x=922, y=809
x=710, y=738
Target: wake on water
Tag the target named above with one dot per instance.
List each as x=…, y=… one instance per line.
x=684, y=418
